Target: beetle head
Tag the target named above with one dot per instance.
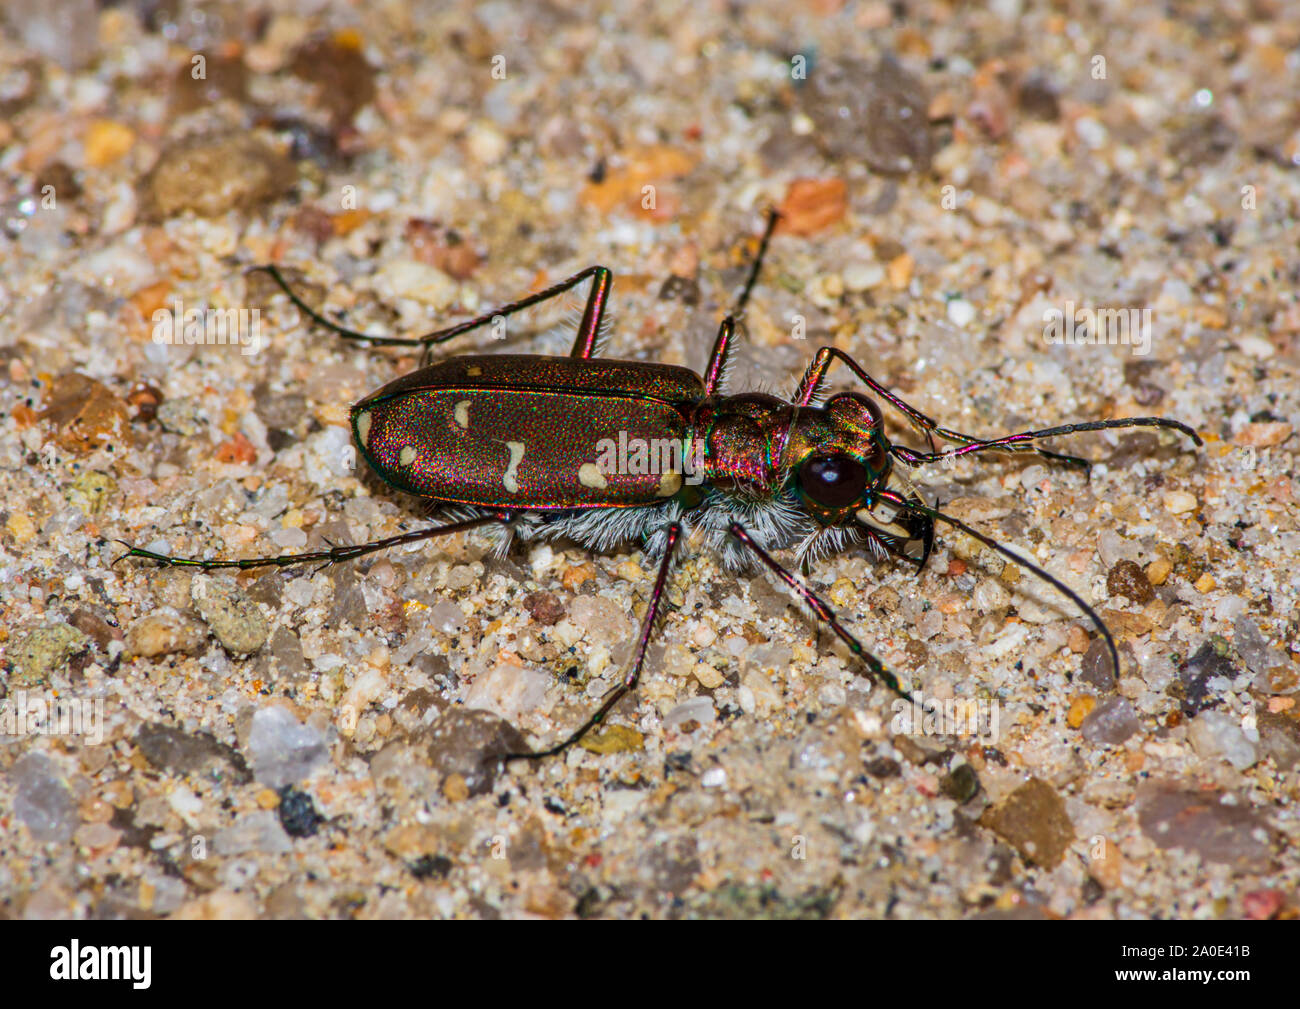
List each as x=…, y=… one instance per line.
x=844, y=464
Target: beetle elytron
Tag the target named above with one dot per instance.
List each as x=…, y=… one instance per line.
x=511, y=440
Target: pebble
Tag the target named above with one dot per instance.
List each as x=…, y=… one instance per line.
x=876, y=114
x=92, y=491
x=446, y=617
x=1158, y=571
x=1179, y=502
x=507, y=690
x=107, y=141
x=812, y=205
x=1256, y=346
x=1261, y=905
x=343, y=79
x=1263, y=435
x=1216, y=735
x=960, y=312
x=1129, y=580
x=1198, y=821
x=612, y=739
x=1253, y=647
x=1207, y=664
x=900, y=270
x=252, y=832
x=220, y=905
x=87, y=416
x=603, y=620
x=697, y=709
x=163, y=632
x=471, y=743
x=760, y=694
x=172, y=749
x=1033, y=820
x=409, y=278
x=234, y=618
x=65, y=32
x=710, y=677
x=1096, y=668
x=1080, y=708
x=43, y=802
x=97, y=839
x=990, y=595
x=454, y=788
x=211, y=175
x=1077, y=640
x=961, y=784
x=1112, y=721
x=20, y=526
x=544, y=607
x=860, y=277
x=282, y=749
x=183, y=415
x=41, y=653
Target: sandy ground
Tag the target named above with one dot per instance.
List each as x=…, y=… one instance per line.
x=301, y=743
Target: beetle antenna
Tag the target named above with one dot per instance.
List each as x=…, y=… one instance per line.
x=1016, y=442
x=773, y=215
x=899, y=501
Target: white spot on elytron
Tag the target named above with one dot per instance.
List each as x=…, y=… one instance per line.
x=589, y=475
x=462, y=414
x=406, y=456
x=508, y=480
x=473, y=372
x=363, y=427
x=669, y=484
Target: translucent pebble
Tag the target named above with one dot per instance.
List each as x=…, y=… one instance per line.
x=283, y=750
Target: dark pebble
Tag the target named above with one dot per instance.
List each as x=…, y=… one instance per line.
x=471, y=743
x=1195, y=674
x=1128, y=579
x=431, y=867
x=171, y=749
x=887, y=124
x=545, y=607
x=1198, y=821
x=961, y=784
x=1096, y=667
x=298, y=814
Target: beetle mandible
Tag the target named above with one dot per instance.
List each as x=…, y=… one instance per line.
x=521, y=442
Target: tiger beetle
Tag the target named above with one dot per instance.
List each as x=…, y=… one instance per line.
x=511, y=441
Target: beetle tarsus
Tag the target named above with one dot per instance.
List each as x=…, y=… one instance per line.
x=877, y=669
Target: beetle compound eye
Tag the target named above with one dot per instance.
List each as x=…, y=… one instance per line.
x=833, y=481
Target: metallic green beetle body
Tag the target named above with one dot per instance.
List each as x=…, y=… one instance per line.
x=517, y=431
x=575, y=447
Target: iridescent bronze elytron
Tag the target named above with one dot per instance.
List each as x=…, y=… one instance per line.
x=573, y=447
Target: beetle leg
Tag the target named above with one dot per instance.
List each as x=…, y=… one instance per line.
x=824, y=613
x=584, y=341
x=643, y=642
x=815, y=377
x=716, y=369
x=583, y=346
x=717, y=366
x=331, y=556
